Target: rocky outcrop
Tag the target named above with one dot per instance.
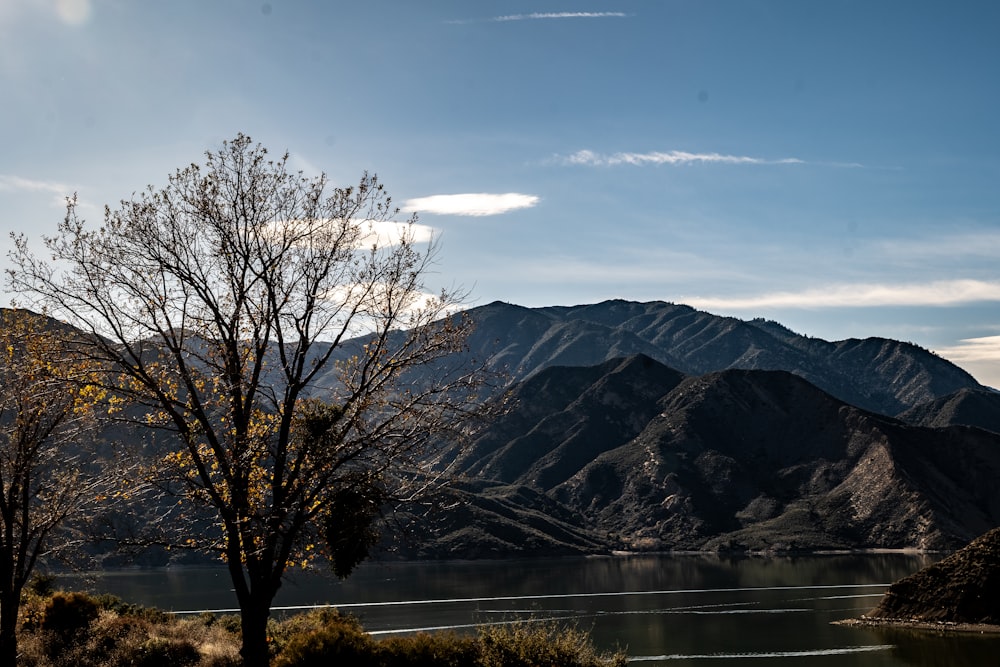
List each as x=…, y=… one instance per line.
x=963, y=588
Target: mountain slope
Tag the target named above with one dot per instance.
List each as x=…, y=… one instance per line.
x=566, y=416
x=739, y=460
x=969, y=407
x=491, y=520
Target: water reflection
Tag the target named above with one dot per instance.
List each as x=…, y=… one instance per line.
x=665, y=610
x=936, y=649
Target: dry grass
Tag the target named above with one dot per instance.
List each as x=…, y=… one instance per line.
x=77, y=630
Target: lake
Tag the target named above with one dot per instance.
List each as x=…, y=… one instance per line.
x=664, y=610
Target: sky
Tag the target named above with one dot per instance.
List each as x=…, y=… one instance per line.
x=832, y=165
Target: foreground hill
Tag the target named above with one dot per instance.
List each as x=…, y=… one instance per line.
x=962, y=588
x=644, y=458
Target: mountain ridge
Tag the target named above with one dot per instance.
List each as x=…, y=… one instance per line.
x=877, y=374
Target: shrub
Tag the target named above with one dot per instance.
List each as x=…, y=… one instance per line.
x=118, y=606
x=337, y=644
x=544, y=644
x=67, y=614
x=426, y=650
x=230, y=623
x=113, y=636
x=279, y=633
x=162, y=652
x=42, y=585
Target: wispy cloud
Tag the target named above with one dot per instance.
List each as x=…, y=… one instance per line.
x=589, y=158
x=559, y=15
x=387, y=232
x=58, y=192
x=937, y=293
x=986, y=348
x=537, y=16
x=979, y=356
x=384, y=233
x=19, y=184
x=474, y=204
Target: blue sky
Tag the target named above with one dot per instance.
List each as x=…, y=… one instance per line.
x=831, y=165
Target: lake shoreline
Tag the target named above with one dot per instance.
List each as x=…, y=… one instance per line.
x=948, y=627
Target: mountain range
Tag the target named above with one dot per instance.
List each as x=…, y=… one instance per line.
x=876, y=374
x=654, y=426
x=659, y=427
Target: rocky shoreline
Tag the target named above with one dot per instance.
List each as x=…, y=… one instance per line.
x=923, y=626
x=958, y=594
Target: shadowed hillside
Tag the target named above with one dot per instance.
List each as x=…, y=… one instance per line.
x=968, y=407
x=736, y=460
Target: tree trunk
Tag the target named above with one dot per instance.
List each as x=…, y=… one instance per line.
x=9, y=603
x=253, y=621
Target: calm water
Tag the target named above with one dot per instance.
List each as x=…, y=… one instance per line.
x=664, y=610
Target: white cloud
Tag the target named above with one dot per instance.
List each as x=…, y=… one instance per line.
x=986, y=348
x=411, y=307
x=18, y=184
x=58, y=191
x=474, y=204
x=536, y=16
x=938, y=293
x=388, y=232
x=558, y=15
x=591, y=159
x=385, y=233
x=979, y=356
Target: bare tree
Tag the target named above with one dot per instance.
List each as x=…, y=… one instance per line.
x=49, y=475
x=223, y=301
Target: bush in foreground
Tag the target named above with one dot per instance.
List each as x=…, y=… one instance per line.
x=545, y=644
x=328, y=638
x=79, y=630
